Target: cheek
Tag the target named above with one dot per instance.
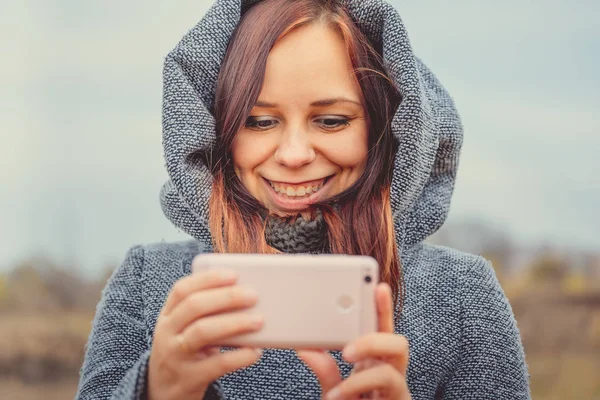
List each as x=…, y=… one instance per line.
x=349, y=151
x=249, y=151
x=352, y=156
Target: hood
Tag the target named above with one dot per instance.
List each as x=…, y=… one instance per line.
x=426, y=123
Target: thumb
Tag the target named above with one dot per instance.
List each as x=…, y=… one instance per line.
x=324, y=366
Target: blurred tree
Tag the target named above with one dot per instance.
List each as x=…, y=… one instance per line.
x=26, y=290
x=592, y=266
x=548, y=268
x=64, y=286
x=2, y=289
x=37, y=284
x=575, y=283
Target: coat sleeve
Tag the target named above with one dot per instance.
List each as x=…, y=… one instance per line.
x=117, y=352
x=492, y=360
x=116, y=357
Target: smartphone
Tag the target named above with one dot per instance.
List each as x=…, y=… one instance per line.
x=308, y=301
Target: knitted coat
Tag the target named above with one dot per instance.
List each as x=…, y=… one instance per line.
x=463, y=337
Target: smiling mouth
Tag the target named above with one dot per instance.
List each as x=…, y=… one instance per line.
x=298, y=191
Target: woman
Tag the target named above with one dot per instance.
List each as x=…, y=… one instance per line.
x=305, y=126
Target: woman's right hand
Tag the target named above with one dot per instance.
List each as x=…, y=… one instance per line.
x=201, y=310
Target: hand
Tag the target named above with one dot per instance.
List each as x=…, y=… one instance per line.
x=381, y=360
x=201, y=310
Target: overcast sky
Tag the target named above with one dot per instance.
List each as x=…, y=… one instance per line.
x=81, y=156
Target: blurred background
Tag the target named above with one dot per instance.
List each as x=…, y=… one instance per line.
x=81, y=167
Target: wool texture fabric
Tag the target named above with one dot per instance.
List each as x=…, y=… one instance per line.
x=463, y=337
x=298, y=236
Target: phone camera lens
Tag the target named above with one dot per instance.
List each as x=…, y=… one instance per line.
x=368, y=278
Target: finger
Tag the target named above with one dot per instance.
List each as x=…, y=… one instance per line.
x=218, y=365
x=383, y=378
x=209, y=302
x=391, y=347
x=212, y=351
x=324, y=366
x=215, y=330
x=364, y=364
x=385, y=309
x=201, y=355
x=195, y=282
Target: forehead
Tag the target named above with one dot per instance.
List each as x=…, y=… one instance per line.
x=308, y=63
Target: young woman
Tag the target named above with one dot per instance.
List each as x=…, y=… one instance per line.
x=305, y=126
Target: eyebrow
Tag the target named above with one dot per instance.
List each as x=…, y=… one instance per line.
x=318, y=103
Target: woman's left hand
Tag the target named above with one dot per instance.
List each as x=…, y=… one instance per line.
x=381, y=360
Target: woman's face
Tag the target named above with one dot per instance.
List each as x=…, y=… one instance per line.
x=306, y=138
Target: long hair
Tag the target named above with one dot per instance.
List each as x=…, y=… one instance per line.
x=359, y=220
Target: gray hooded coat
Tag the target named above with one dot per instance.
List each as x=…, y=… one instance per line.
x=464, y=341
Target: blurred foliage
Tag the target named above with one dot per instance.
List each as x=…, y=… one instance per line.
x=575, y=283
x=3, y=288
x=39, y=286
x=549, y=269
x=46, y=312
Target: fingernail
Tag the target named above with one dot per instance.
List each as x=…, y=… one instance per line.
x=334, y=394
x=349, y=353
x=259, y=351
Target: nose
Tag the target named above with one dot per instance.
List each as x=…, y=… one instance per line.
x=295, y=149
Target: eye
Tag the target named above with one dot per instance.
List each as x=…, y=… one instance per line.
x=261, y=123
x=332, y=123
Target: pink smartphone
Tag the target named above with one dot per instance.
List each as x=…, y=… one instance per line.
x=308, y=301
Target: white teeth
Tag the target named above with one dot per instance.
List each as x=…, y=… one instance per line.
x=300, y=192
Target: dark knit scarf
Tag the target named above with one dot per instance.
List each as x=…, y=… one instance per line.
x=296, y=234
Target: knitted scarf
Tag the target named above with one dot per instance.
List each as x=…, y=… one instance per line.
x=297, y=234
